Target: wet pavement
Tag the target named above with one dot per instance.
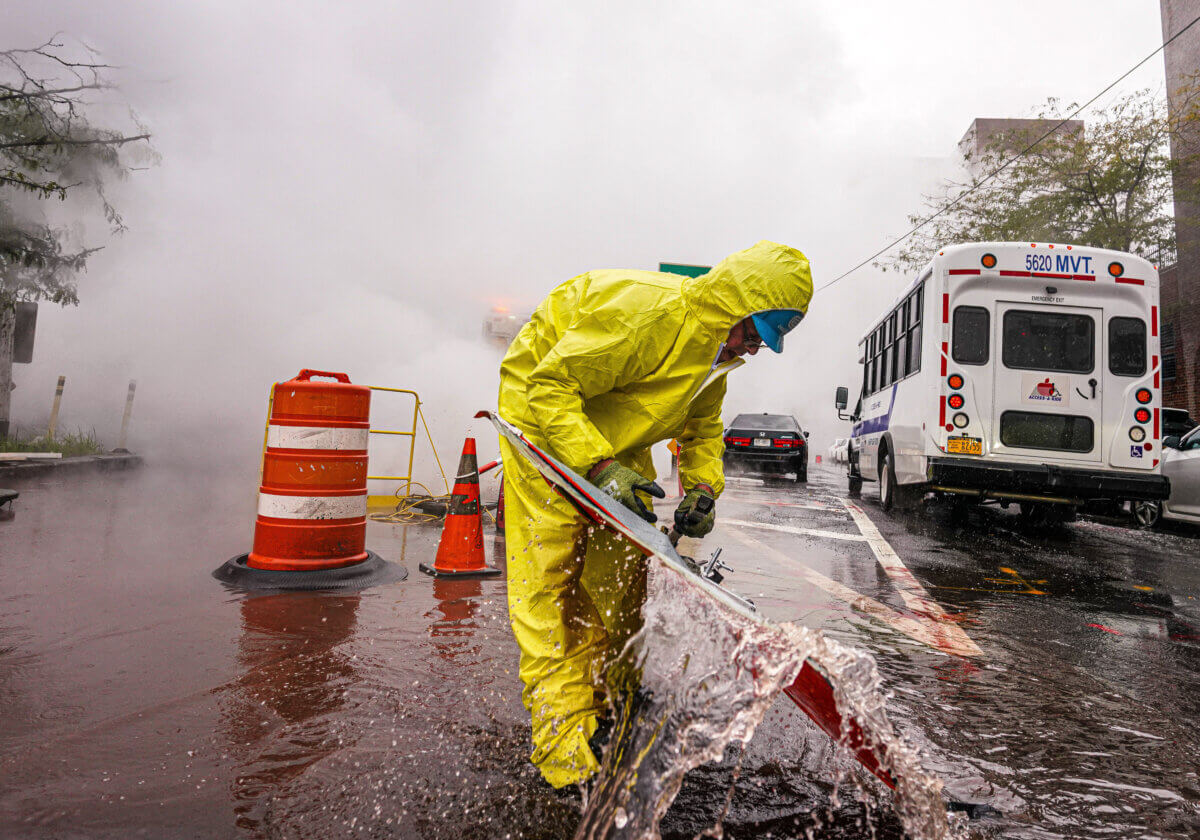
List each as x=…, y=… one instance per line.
x=1052, y=675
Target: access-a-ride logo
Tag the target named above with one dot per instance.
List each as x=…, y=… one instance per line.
x=1046, y=391
x=1042, y=389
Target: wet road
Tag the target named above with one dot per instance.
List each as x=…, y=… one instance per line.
x=1051, y=675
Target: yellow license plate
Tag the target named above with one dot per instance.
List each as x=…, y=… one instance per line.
x=964, y=446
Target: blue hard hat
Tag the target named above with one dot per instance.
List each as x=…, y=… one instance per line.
x=772, y=326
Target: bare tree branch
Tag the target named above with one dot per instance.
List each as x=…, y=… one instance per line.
x=48, y=141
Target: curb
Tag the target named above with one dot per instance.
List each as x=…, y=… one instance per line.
x=78, y=463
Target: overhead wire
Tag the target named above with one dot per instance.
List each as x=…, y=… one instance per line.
x=951, y=205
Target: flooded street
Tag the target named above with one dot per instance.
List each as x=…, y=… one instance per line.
x=1053, y=677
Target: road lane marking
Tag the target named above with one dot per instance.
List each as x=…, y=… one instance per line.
x=1014, y=580
x=1018, y=580
x=791, y=529
x=914, y=595
x=934, y=634
x=766, y=497
x=817, y=506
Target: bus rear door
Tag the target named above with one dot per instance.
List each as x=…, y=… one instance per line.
x=1048, y=387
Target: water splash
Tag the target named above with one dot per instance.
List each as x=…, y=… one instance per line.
x=708, y=675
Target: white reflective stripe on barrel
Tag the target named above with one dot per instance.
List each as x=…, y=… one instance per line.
x=316, y=437
x=312, y=507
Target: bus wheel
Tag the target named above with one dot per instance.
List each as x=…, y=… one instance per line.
x=888, y=488
x=1147, y=514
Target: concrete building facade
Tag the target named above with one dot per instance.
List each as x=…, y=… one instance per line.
x=1180, y=296
x=1011, y=134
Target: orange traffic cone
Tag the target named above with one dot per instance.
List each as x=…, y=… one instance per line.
x=460, y=553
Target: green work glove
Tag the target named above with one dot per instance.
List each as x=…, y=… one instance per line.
x=621, y=482
x=695, y=515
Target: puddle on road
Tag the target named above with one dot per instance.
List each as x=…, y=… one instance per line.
x=140, y=697
x=708, y=676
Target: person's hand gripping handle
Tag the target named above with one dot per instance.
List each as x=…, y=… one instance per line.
x=620, y=482
x=697, y=512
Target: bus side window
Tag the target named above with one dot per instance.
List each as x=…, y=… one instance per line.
x=914, y=347
x=1127, y=346
x=880, y=346
x=893, y=349
x=914, y=335
x=872, y=365
x=884, y=356
x=970, y=343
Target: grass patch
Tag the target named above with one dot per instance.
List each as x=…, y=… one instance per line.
x=69, y=444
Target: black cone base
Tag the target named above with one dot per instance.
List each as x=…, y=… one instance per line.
x=486, y=571
x=370, y=572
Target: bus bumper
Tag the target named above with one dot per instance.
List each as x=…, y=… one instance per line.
x=1001, y=480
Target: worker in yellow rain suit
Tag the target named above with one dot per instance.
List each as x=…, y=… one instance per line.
x=611, y=363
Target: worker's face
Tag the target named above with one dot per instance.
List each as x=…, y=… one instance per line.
x=743, y=339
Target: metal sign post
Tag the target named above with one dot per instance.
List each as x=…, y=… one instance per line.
x=53, y=429
x=125, y=420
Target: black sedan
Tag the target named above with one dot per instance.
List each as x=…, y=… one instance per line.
x=1177, y=422
x=766, y=444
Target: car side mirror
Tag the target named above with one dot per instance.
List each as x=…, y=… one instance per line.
x=841, y=397
x=1171, y=441
x=806, y=435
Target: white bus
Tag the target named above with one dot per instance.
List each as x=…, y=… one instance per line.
x=1023, y=372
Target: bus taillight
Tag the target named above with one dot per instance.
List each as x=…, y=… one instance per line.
x=1143, y=395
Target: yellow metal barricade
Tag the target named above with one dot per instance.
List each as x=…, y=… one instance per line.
x=411, y=500
x=411, y=434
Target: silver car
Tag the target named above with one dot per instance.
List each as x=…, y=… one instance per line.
x=1181, y=464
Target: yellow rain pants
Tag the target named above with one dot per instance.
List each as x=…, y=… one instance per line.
x=611, y=363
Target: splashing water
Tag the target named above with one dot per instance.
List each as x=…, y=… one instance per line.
x=708, y=676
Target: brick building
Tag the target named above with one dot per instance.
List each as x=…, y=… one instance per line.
x=1181, y=282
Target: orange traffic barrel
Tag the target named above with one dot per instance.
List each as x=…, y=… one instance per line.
x=460, y=552
x=312, y=502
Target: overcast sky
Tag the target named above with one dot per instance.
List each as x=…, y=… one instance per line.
x=351, y=185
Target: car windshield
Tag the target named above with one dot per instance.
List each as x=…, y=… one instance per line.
x=766, y=422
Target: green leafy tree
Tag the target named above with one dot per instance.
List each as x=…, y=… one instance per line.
x=51, y=151
x=1108, y=186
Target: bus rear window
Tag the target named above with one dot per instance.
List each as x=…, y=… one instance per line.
x=971, y=327
x=1127, y=346
x=1052, y=341
x=1032, y=430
